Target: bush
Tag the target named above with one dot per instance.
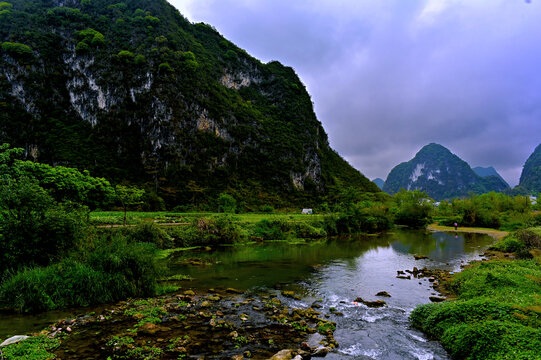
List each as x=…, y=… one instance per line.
x=218, y=230
x=33, y=348
x=271, y=229
x=492, y=340
x=508, y=244
x=149, y=233
x=112, y=270
x=226, y=203
x=34, y=229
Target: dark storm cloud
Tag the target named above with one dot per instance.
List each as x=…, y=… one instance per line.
x=390, y=76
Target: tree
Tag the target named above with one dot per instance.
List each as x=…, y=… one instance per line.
x=412, y=208
x=227, y=203
x=128, y=196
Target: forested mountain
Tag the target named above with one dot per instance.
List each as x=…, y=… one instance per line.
x=441, y=174
x=379, y=182
x=132, y=91
x=488, y=171
x=530, y=179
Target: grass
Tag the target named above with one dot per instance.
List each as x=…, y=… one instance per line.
x=33, y=348
x=496, y=314
x=167, y=217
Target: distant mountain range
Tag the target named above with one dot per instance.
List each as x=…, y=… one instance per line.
x=379, y=182
x=442, y=175
x=488, y=171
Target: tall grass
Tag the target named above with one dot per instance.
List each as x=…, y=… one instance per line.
x=109, y=270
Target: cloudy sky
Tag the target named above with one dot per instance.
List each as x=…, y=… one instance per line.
x=390, y=76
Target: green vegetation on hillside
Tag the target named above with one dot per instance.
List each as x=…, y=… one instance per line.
x=530, y=179
x=135, y=93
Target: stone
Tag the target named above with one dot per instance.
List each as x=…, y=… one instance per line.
x=383, y=293
x=237, y=357
x=419, y=257
x=373, y=304
x=436, y=298
x=151, y=329
x=14, y=339
x=189, y=293
x=233, y=291
x=321, y=351
x=286, y=354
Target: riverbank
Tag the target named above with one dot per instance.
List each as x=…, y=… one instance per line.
x=496, y=234
x=495, y=312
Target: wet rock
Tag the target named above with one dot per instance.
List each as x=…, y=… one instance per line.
x=321, y=351
x=286, y=354
x=404, y=277
x=436, y=298
x=383, y=293
x=205, y=304
x=233, y=291
x=237, y=357
x=189, y=293
x=419, y=257
x=14, y=339
x=298, y=357
x=151, y=329
x=373, y=304
x=247, y=354
x=400, y=272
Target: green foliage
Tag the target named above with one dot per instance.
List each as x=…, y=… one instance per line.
x=34, y=348
x=34, y=229
x=271, y=229
x=530, y=179
x=128, y=196
x=412, y=208
x=17, y=50
x=109, y=270
x=218, y=230
x=172, y=66
x=491, y=210
x=227, y=203
x=65, y=183
x=495, y=315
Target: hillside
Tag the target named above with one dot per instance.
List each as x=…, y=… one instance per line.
x=134, y=92
x=488, y=171
x=441, y=174
x=379, y=182
x=530, y=178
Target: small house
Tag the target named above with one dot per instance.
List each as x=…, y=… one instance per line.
x=307, y=211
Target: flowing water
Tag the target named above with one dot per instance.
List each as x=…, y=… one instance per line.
x=332, y=274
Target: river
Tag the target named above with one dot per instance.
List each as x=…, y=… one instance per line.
x=332, y=274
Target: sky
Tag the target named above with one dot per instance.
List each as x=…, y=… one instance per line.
x=390, y=76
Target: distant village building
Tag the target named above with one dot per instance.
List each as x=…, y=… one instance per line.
x=533, y=200
x=307, y=211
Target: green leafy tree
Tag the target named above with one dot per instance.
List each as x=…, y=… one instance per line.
x=227, y=203
x=412, y=208
x=128, y=196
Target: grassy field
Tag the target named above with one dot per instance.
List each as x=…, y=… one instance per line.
x=167, y=217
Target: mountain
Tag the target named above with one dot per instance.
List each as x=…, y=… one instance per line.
x=530, y=178
x=379, y=182
x=134, y=92
x=441, y=174
x=488, y=171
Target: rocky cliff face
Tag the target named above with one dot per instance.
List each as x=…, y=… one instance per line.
x=530, y=179
x=441, y=174
x=133, y=91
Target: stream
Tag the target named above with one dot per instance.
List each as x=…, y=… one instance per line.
x=331, y=274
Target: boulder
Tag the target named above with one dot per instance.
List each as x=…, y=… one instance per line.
x=373, y=304
x=286, y=354
x=383, y=293
x=14, y=339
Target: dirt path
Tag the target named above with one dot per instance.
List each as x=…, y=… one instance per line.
x=128, y=225
x=497, y=234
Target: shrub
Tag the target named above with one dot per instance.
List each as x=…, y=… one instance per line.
x=509, y=244
x=33, y=348
x=227, y=203
x=218, y=230
x=149, y=233
x=34, y=229
x=271, y=229
x=113, y=270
